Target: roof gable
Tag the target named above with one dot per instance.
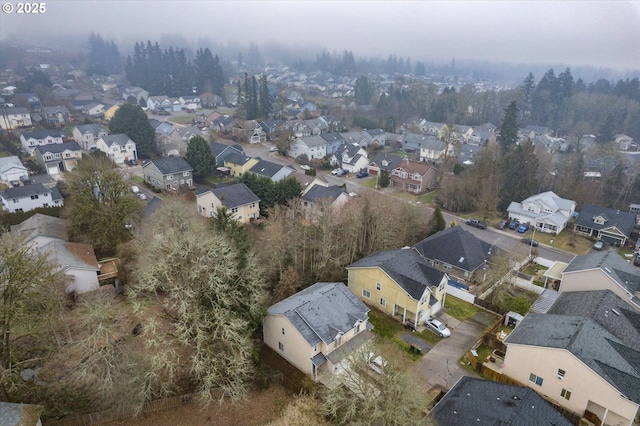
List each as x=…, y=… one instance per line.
x=171, y=165
x=235, y=195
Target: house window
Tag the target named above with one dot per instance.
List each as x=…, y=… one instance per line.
x=565, y=394
x=446, y=267
x=358, y=328
x=383, y=302
x=535, y=379
x=169, y=177
x=378, y=286
x=252, y=205
x=185, y=174
x=281, y=346
x=436, y=262
x=34, y=197
x=15, y=201
x=234, y=210
x=366, y=293
x=283, y=330
x=561, y=373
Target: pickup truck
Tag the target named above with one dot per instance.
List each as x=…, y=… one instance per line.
x=476, y=224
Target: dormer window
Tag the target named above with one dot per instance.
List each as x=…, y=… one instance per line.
x=599, y=220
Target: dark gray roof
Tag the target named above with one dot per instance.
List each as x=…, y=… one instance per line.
x=331, y=137
x=171, y=165
x=120, y=139
x=56, y=148
x=94, y=129
x=392, y=161
x=604, y=307
x=237, y=158
x=29, y=190
x=235, y=195
x=457, y=247
x=318, y=192
x=610, y=263
x=218, y=148
x=266, y=168
x=623, y=221
x=477, y=401
x=406, y=267
x=588, y=341
x=322, y=311
x=41, y=134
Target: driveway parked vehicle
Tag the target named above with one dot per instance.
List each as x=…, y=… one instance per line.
x=437, y=327
x=513, y=225
x=530, y=242
x=476, y=223
x=503, y=224
x=599, y=245
x=523, y=228
x=362, y=174
x=135, y=189
x=336, y=171
x=142, y=196
x=305, y=167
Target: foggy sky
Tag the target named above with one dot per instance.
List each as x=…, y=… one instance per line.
x=597, y=33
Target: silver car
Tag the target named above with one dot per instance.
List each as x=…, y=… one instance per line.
x=437, y=327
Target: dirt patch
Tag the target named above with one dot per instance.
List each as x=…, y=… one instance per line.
x=260, y=407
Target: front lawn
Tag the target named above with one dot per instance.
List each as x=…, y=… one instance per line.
x=384, y=325
x=182, y=119
x=459, y=309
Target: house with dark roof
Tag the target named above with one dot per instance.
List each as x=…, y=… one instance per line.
x=333, y=142
x=400, y=283
x=239, y=201
x=223, y=124
x=307, y=181
x=55, y=115
x=58, y=158
x=29, y=197
x=274, y=128
x=239, y=164
x=221, y=151
x=318, y=328
x=383, y=161
x=578, y=364
x=466, y=154
x=458, y=252
x=86, y=135
x=603, y=270
x=31, y=140
x=352, y=158
x=546, y=211
x=275, y=172
x=375, y=137
x=41, y=229
x=168, y=173
x=473, y=400
x=609, y=225
x=319, y=198
x=119, y=148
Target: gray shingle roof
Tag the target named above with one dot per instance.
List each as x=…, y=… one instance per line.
x=119, y=139
x=94, y=129
x=610, y=263
x=458, y=247
x=218, y=148
x=322, y=311
x=238, y=159
x=235, y=195
x=42, y=225
x=392, y=161
x=266, y=168
x=29, y=190
x=58, y=147
x=318, y=192
x=171, y=165
x=42, y=134
x=406, y=267
x=478, y=401
x=588, y=341
x=623, y=221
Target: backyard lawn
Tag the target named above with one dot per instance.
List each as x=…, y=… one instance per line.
x=459, y=309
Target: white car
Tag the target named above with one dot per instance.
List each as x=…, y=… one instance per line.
x=305, y=167
x=142, y=196
x=437, y=327
x=336, y=171
x=135, y=189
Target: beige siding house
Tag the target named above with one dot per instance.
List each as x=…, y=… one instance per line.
x=318, y=328
x=399, y=283
x=241, y=203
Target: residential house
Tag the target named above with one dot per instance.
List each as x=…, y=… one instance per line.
x=462, y=133
x=273, y=129
x=41, y=229
x=413, y=177
x=87, y=135
x=318, y=328
x=400, y=283
x=31, y=140
x=317, y=126
x=434, y=150
x=384, y=161
x=15, y=414
x=13, y=118
x=239, y=164
x=352, y=158
x=317, y=199
x=110, y=112
x=603, y=270
x=164, y=136
x=467, y=153
x=307, y=181
x=333, y=142
x=93, y=109
x=168, y=173
x=376, y=137
x=55, y=115
x=458, y=253
x=608, y=225
x=138, y=93
x=546, y=211
x=625, y=143
x=190, y=102
x=159, y=103
x=473, y=400
x=413, y=142
x=249, y=131
x=299, y=129
x=481, y=137
x=578, y=364
x=431, y=127
x=179, y=140
x=12, y=169
x=275, y=172
x=313, y=147
x=532, y=131
x=58, y=158
x=223, y=124
x=29, y=197
x=221, y=151
x=354, y=138
x=119, y=148
x=239, y=201
x=77, y=262
x=28, y=99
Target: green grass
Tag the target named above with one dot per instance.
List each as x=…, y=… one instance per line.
x=183, y=119
x=459, y=309
x=369, y=182
x=429, y=337
x=384, y=325
x=427, y=199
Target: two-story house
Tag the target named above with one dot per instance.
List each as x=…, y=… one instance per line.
x=221, y=151
x=31, y=140
x=317, y=328
x=87, y=135
x=12, y=169
x=168, y=173
x=384, y=161
x=239, y=201
x=29, y=197
x=239, y=164
x=333, y=142
x=609, y=225
x=13, y=118
x=59, y=157
x=55, y=115
x=352, y=158
x=159, y=103
x=119, y=148
x=275, y=172
x=414, y=177
x=313, y=147
x=318, y=199
x=400, y=283
x=547, y=212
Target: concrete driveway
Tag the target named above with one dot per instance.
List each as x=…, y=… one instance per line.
x=440, y=367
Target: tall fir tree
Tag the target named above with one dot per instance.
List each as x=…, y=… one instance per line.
x=509, y=127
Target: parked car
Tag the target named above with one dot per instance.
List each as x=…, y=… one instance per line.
x=305, y=167
x=514, y=224
x=342, y=173
x=530, y=242
x=362, y=174
x=336, y=171
x=599, y=245
x=142, y=196
x=15, y=183
x=135, y=189
x=523, y=228
x=476, y=223
x=437, y=327
x=503, y=224
x=273, y=149
x=133, y=163
x=636, y=260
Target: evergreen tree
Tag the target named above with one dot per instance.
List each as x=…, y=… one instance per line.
x=241, y=103
x=265, y=98
x=364, y=90
x=384, y=180
x=520, y=167
x=606, y=130
x=509, y=128
x=133, y=121
x=436, y=221
x=200, y=157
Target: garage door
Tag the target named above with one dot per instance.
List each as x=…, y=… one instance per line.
x=53, y=170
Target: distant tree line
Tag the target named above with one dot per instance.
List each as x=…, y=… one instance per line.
x=104, y=57
x=254, y=98
x=169, y=71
